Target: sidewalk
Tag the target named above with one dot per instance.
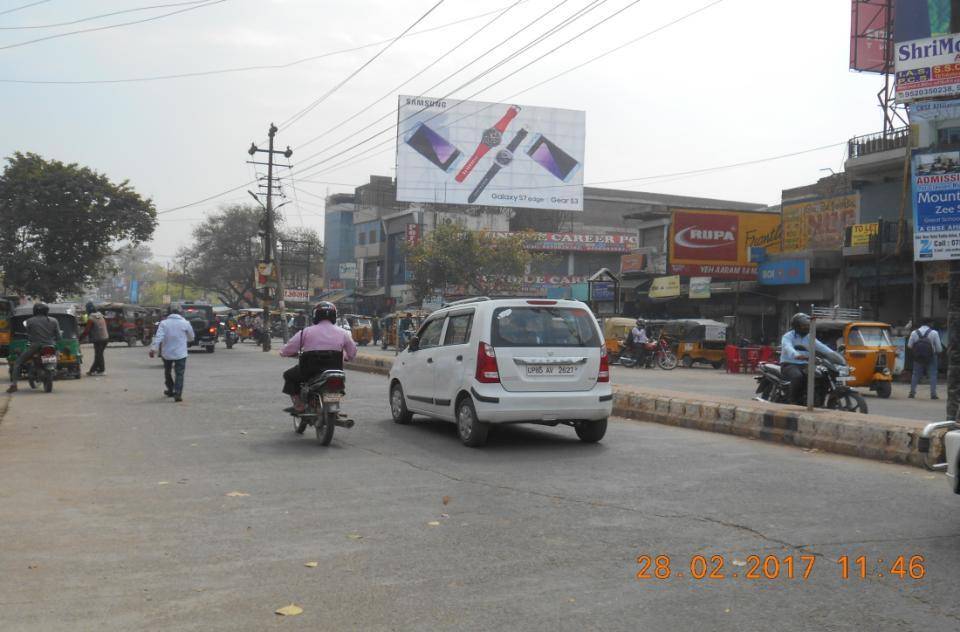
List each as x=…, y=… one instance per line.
x=867, y=436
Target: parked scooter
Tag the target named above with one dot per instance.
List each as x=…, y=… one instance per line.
x=322, y=394
x=41, y=369
x=829, y=391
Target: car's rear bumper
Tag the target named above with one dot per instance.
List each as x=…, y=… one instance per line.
x=495, y=405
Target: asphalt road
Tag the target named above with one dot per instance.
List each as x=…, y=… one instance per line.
x=117, y=514
x=708, y=381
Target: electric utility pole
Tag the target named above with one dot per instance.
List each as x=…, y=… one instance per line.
x=269, y=229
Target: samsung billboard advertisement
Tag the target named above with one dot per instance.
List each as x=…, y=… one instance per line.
x=489, y=154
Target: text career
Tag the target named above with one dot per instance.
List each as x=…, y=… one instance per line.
x=769, y=567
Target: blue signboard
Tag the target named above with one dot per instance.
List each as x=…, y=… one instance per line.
x=785, y=272
x=936, y=206
x=602, y=291
x=134, y=291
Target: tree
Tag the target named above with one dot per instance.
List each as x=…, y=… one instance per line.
x=59, y=224
x=478, y=261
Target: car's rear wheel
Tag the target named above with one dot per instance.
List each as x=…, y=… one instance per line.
x=472, y=431
x=210, y=349
x=591, y=431
x=398, y=407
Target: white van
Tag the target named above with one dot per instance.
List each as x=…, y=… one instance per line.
x=480, y=361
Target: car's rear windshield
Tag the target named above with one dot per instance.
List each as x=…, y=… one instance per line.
x=543, y=327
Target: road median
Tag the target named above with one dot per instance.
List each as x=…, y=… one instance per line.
x=866, y=436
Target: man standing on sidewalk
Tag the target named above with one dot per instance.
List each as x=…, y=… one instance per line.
x=96, y=329
x=925, y=346
x=171, y=338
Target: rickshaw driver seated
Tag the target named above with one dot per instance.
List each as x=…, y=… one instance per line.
x=323, y=335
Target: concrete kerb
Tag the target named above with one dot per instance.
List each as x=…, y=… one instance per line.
x=865, y=436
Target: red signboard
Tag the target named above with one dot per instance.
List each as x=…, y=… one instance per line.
x=870, y=35
x=705, y=237
x=335, y=284
x=413, y=234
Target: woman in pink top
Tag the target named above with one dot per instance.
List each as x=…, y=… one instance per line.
x=324, y=335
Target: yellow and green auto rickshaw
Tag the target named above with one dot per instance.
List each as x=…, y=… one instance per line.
x=69, y=357
x=697, y=341
x=361, y=328
x=868, y=349
x=615, y=331
x=399, y=327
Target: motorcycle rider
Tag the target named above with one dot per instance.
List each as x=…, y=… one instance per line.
x=323, y=335
x=794, y=362
x=42, y=331
x=638, y=341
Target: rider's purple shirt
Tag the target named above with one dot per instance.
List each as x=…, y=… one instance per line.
x=323, y=337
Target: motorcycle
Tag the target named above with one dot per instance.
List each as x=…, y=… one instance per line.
x=829, y=391
x=658, y=354
x=322, y=395
x=41, y=368
x=230, y=335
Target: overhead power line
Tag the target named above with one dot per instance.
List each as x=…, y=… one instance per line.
x=299, y=115
x=99, y=17
x=222, y=71
x=112, y=26
x=23, y=6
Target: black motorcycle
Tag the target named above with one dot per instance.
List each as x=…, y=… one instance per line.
x=322, y=394
x=829, y=389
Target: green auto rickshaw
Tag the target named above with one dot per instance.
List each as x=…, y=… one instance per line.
x=69, y=357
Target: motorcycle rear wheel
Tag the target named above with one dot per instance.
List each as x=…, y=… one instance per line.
x=325, y=424
x=48, y=382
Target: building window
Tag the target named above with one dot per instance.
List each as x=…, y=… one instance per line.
x=373, y=236
x=361, y=238
x=948, y=136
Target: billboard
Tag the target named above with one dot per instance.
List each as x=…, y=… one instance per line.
x=927, y=68
x=784, y=272
x=936, y=206
x=716, y=243
x=822, y=222
x=869, y=35
x=489, y=154
x=919, y=19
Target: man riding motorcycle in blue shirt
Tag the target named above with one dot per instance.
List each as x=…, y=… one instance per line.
x=793, y=361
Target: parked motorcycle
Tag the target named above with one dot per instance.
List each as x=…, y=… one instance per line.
x=658, y=353
x=829, y=390
x=41, y=369
x=322, y=394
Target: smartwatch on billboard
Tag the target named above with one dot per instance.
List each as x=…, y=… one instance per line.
x=504, y=158
x=491, y=138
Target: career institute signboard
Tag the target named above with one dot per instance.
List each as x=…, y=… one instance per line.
x=936, y=206
x=928, y=68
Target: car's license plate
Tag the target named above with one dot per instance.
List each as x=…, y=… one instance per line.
x=49, y=359
x=549, y=370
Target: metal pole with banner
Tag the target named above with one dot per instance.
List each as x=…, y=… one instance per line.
x=812, y=365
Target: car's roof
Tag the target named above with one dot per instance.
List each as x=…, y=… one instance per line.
x=513, y=302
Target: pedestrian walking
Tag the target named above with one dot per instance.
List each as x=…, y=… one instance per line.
x=925, y=347
x=96, y=330
x=171, y=339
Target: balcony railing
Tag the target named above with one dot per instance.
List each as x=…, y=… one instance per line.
x=860, y=146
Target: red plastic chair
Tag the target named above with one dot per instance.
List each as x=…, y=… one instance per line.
x=766, y=353
x=733, y=358
x=753, y=359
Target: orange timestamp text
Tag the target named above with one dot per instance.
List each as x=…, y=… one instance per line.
x=764, y=567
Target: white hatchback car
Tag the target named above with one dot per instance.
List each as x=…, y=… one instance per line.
x=479, y=361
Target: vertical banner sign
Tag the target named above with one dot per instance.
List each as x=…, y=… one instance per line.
x=700, y=287
x=413, y=235
x=134, y=291
x=936, y=206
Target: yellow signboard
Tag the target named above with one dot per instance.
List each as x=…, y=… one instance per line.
x=819, y=224
x=717, y=243
x=860, y=234
x=665, y=287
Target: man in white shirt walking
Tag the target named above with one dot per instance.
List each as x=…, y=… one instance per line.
x=173, y=334
x=925, y=346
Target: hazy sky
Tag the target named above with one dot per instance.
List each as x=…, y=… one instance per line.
x=741, y=81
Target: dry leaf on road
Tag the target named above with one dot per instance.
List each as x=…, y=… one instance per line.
x=434, y=523
x=354, y=536
x=289, y=611
x=236, y=494
x=311, y=564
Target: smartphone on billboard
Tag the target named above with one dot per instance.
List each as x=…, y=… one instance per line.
x=433, y=147
x=558, y=162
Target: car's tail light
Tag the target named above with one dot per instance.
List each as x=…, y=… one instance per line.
x=604, y=374
x=213, y=330
x=334, y=384
x=487, y=370
x=233, y=327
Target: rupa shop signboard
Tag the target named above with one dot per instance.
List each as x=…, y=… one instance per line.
x=717, y=243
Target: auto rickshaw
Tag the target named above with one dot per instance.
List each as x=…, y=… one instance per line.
x=615, y=331
x=245, y=319
x=397, y=327
x=151, y=320
x=69, y=357
x=361, y=327
x=868, y=349
x=698, y=340
x=124, y=322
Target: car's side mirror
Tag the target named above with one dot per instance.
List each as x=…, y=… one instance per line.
x=414, y=344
